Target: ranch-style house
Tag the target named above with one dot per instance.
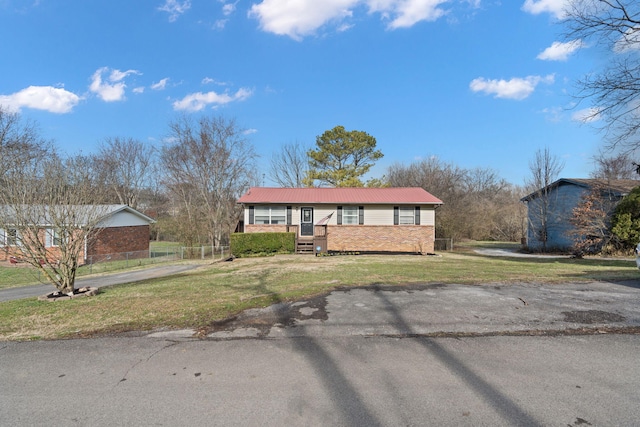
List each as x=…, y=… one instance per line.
x=345, y=219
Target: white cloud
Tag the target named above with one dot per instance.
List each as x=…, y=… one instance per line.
x=228, y=8
x=630, y=41
x=554, y=7
x=406, y=13
x=175, y=8
x=587, y=115
x=117, y=75
x=138, y=90
x=113, y=89
x=209, y=80
x=516, y=88
x=559, y=51
x=161, y=85
x=48, y=98
x=250, y=131
x=299, y=18
x=197, y=101
x=220, y=24
x=553, y=114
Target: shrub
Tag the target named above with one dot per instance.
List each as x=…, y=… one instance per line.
x=625, y=224
x=245, y=244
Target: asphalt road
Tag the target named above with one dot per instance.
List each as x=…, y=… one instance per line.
x=99, y=281
x=313, y=381
x=492, y=355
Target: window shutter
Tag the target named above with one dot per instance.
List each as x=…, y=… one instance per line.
x=396, y=215
x=417, y=221
x=250, y=214
x=360, y=215
x=288, y=215
x=339, y=219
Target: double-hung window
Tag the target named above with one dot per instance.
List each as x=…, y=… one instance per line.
x=270, y=215
x=11, y=237
x=52, y=237
x=350, y=215
x=406, y=216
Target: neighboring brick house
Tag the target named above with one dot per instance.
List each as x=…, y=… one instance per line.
x=562, y=196
x=351, y=219
x=123, y=233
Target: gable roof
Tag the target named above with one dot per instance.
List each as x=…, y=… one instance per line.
x=111, y=210
x=371, y=196
x=82, y=213
x=619, y=187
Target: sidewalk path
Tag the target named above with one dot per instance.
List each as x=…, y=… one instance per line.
x=99, y=281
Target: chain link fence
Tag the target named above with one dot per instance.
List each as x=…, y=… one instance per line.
x=205, y=252
x=443, y=244
x=123, y=260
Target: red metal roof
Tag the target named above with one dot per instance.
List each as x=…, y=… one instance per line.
x=371, y=196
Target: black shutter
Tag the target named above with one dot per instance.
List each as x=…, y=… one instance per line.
x=288, y=215
x=396, y=215
x=417, y=221
x=250, y=214
x=360, y=215
x=339, y=219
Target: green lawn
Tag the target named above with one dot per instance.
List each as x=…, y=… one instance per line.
x=12, y=276
x=219, y=290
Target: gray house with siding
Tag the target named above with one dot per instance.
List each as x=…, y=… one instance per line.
x=553, y=206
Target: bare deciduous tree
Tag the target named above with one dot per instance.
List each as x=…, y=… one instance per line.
x=289, y=166
x=207, y=166
x=616, y=166
x=615, y=89
x=50, y=216
x=125, y=166
x=477, y=203
x=20, y=143
x=545, y=169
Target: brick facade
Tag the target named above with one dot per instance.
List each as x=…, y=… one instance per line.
x=369, y=238
x=120, y=243
x=381, y=238
x=265, y=228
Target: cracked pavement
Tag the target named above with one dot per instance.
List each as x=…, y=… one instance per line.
x=494, y=355
x=441, y=310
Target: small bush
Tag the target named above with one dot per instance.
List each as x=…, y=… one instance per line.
x=246, y=244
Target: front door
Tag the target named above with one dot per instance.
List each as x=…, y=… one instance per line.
x=306, y=222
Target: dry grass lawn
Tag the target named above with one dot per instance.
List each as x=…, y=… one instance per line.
x=216, y=291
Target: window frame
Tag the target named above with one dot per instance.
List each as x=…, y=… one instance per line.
x=353, y=218
x=270, y=215
x=11, y=237
x=53, y=238
x=405, y=213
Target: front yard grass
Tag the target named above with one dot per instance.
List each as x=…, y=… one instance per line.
x=216, y=291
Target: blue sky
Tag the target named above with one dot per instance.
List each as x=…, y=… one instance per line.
x=478, y=83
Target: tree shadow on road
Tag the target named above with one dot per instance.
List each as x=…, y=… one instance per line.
x=508, y=409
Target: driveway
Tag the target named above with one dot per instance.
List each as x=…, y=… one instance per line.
x=514, y=253
x=441, y=310
x=99, y=281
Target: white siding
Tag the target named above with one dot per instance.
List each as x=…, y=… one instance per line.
x=373, y=214
x=123, y=219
